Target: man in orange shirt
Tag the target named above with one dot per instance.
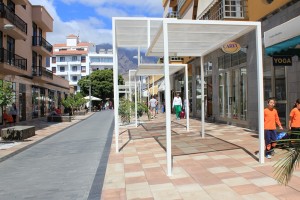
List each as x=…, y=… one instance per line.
x=294, y=122
x=270, y=120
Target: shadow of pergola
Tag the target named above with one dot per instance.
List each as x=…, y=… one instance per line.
x=185, y=143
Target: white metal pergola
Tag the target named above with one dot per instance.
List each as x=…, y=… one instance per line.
x=172, y=37
x=158, y=69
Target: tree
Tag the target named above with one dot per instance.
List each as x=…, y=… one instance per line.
x=285, y=167
x=6, y=93
x=102, y=84
x=73, y=101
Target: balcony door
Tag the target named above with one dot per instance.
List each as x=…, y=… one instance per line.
x=10, y=49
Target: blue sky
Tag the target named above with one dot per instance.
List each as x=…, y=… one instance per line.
x=91, y=19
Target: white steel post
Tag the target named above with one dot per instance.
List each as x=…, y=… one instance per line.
x=168, y=98
x=202, y=97
x=116, y=87
x=148, y=88
x=153, y=85
x=260, y=93
x=135, y=101
x=187, y=109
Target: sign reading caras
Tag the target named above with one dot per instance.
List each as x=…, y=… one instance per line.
x=231, y=47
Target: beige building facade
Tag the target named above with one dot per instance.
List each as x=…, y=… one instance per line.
x=231, y=79
x=24, y=49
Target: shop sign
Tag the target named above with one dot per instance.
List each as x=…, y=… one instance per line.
x=282, y=61
x=231, y=47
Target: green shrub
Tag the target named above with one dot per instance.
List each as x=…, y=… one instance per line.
x=124, y=110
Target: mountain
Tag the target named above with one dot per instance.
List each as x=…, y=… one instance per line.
x=126, y=57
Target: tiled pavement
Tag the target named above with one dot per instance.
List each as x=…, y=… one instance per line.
x=221, y=166
x=43, y=129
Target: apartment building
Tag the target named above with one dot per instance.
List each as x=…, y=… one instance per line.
x=24, y=48
x=74, y=60
x=231, y=78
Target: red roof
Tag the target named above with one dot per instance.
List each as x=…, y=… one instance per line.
x=72, y=36
x=74, y=52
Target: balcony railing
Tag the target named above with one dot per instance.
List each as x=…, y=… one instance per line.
x=40, y=41
x=42, y=71
x=232, y=9
x=171, y=59
x=181, y=3
x=173, y=14
x=12, y=17
x=13, y=59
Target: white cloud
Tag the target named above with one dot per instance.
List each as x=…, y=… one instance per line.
x=141, y=7
x=91, y=29
x=86, y=28
x=111, y=12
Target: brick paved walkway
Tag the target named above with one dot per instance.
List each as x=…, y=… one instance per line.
x=221, y=166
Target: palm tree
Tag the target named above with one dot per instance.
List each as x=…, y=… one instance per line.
x=285, y=167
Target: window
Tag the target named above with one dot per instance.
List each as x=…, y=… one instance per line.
x=74, y=78
x=62, y=77
x=11, y=6
x=74, y=58
x=83, y=59
x=62, y=69
x=54, y=69
x=53, y=59
x=74, y=68
x=83, y=68
x=62, y=59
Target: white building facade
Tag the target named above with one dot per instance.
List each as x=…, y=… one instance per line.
x=74, y=60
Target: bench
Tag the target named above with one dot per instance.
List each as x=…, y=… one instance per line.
x=17, y=132
x=62, y=118
x=81, y=112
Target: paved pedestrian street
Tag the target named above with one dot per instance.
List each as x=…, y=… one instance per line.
x=223, y=165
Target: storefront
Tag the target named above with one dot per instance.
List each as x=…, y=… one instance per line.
x=281, y=63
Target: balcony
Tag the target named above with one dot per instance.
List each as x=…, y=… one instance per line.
x=19, y=28
x=227, y=10
x=173, y=14
x=41, y=46
x=41, y=74
x=172, y=59
x=173, y=3
x=20, y=2
x=42, y=18
x=11, y=63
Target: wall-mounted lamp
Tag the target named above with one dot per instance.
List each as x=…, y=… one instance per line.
x=8, y=26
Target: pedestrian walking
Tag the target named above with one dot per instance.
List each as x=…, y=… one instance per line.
x=152, y=106
x=294, y=122
x=177, y=105
x=270, y=120
x=14, y=112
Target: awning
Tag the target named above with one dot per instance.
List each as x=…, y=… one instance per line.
x=283, y=39
x=288, y=47
x=204, y=6
x=161, y=86
x=157, y=69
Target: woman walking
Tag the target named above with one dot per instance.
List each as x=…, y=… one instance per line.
x=177, y=104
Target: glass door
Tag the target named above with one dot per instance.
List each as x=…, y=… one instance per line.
x=233, y=94
x=22, y=102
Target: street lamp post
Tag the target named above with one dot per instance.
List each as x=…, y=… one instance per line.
x=90, y=96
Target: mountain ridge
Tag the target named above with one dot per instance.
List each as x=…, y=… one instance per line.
x=126, y=58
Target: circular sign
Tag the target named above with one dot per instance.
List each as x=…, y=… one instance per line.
x=231, y=47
